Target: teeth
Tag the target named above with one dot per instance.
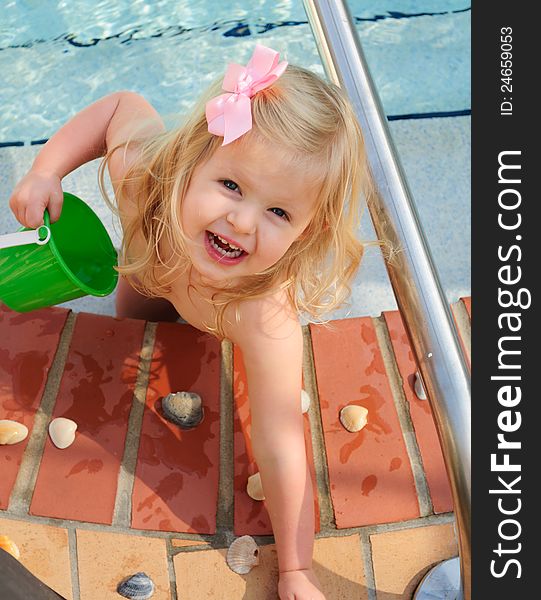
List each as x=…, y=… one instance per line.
x=233, y=253
x=228, y=243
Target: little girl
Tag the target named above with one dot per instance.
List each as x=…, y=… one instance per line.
x=240, y=220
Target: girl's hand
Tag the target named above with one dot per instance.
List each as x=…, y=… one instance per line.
x=299, y=585
x=36, y=192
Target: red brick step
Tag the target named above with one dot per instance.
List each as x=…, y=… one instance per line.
x=370, y=474
x=96, y=392
x=421, y=416
x=28, y=343
x=176, y=480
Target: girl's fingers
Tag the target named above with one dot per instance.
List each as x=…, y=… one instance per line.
x=17, y=214
x=26, y=218
x=55, y=206
x=15, y=209
x=34, y=216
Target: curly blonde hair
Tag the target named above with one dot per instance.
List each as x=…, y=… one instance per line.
x=314, y=123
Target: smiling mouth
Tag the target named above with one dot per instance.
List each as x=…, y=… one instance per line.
x=222, y=246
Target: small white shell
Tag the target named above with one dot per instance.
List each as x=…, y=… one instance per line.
x=305, y=401
x=243, y=555
x=418, y=387
x=353, y=417
x=254, y=488
x=12, y=432
x=62, y=432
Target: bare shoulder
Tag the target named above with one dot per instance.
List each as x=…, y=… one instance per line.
x=134, y=119
x=266, y=329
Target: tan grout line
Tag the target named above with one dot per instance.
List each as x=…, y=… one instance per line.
x=368, y=530
x=404, y=417
x=428, y=521
x=212, y=539
x=21, y=494
x=225, y=516
x=326, y=513
x=462, y=319
x=368, y=565
x=74, y=563
x=171, y=570
x=126, y=475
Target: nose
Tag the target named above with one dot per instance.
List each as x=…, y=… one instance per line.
x=243, y=219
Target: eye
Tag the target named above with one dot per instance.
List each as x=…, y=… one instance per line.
x=230, y=185
x=280, y=213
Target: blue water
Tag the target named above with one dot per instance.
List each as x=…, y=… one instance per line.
x=58, y=56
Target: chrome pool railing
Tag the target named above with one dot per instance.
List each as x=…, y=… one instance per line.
x=418, y=292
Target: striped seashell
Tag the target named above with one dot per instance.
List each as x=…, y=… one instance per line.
x=136, y=587
x=12, y=432
x=243, y=555
x=353, y=417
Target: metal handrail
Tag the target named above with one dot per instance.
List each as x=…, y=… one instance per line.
x=412, y=274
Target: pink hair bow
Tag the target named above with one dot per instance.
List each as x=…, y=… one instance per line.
x=230, y=114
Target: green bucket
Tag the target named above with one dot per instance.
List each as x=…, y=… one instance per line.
x=57, y=262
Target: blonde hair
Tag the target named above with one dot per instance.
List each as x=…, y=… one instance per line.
x=316, y=126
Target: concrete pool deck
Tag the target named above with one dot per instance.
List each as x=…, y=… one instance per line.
x=134, y=493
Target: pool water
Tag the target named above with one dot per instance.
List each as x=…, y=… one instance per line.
x=57, y=57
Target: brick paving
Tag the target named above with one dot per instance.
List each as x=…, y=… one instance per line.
x=135, y=493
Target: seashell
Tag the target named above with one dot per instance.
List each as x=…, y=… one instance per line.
x=353, y=417
x=254, y=487
x=12, y=432
x=242, y=555
x=419, y=388
x=62, y=432
x=184, y=409
x=305, y=401
x=136, y=587
x=9, y=546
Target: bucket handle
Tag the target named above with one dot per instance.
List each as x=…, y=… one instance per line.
x=39, y=236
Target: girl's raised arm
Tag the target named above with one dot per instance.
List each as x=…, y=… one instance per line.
x=87, y=136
